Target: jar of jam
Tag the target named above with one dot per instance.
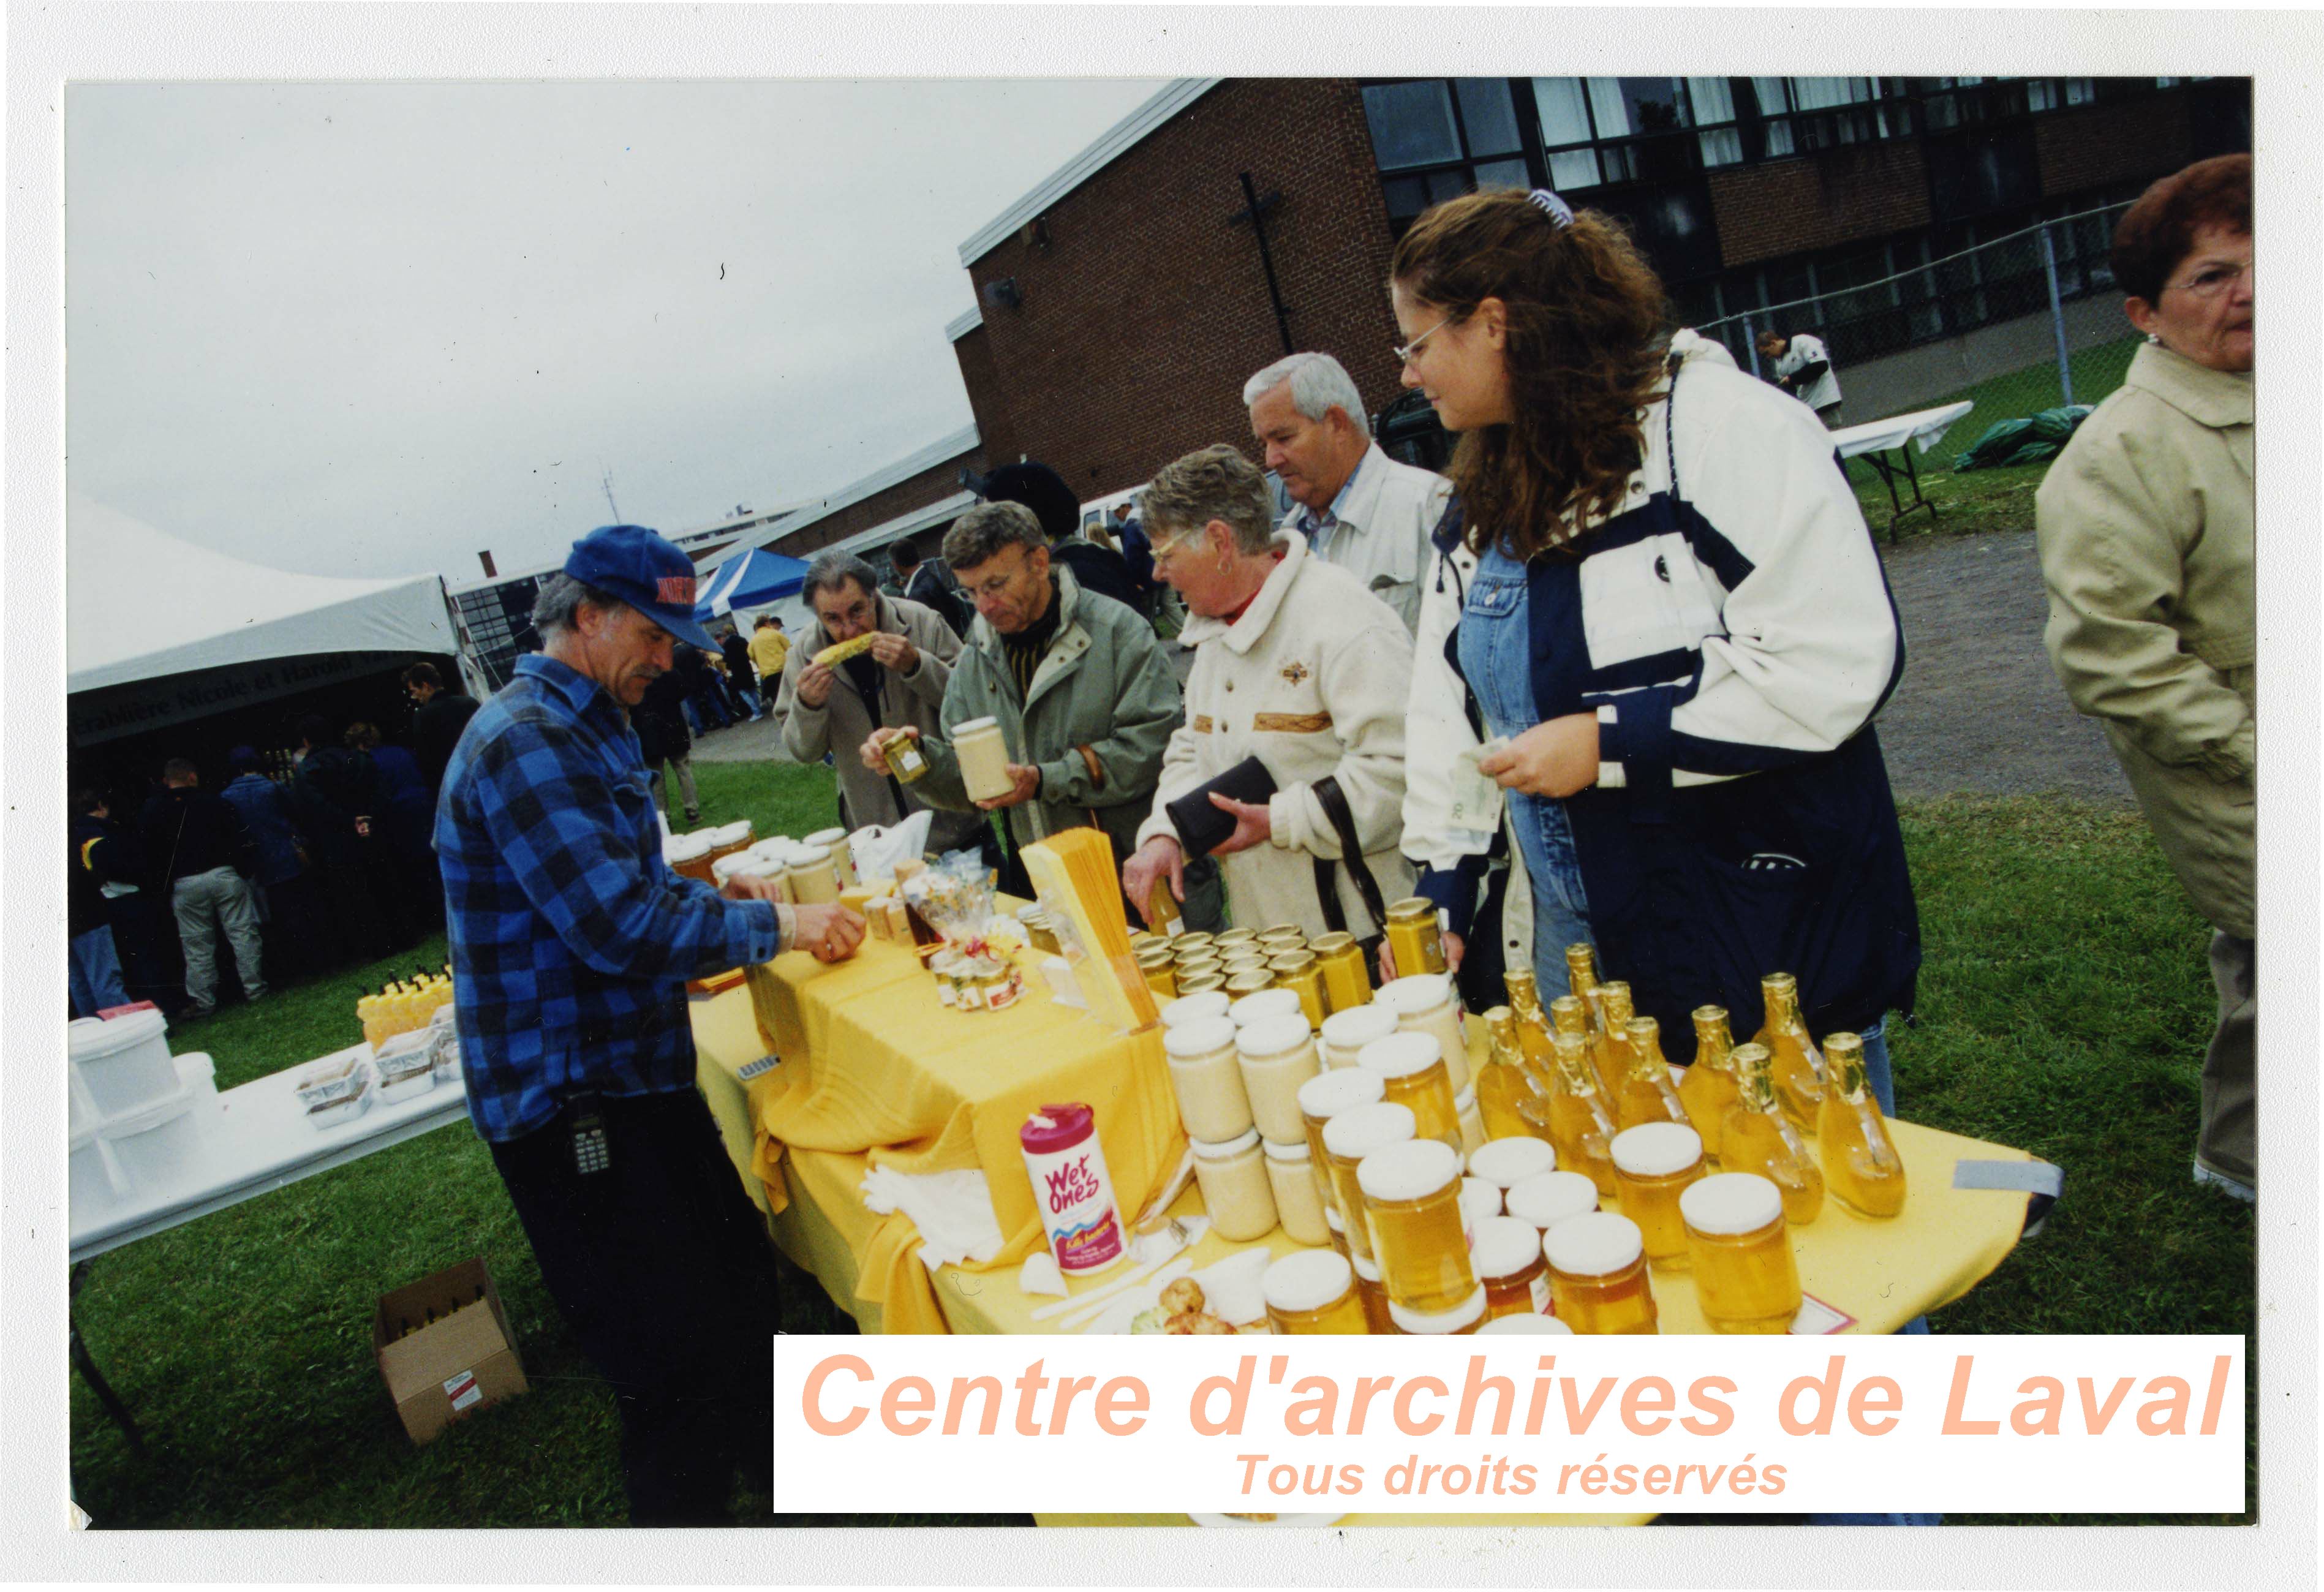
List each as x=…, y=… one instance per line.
x=1597, y=1274
x=1509, y=1263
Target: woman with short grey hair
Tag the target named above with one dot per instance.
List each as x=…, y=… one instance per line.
x=1298, y=666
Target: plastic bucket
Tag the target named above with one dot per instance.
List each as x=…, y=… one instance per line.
x=124, y=1060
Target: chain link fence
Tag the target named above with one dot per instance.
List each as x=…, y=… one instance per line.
x=2018, y=324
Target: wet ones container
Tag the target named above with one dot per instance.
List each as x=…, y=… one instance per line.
x=1071, y=1188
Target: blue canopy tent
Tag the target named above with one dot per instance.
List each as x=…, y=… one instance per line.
x=756, y=579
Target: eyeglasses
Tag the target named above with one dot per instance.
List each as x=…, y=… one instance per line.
x=1406, y=351
x=2215, y=279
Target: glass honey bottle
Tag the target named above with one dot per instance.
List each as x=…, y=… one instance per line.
x=1533, y=1026
x=1581, y=981
x=1611, y=1053
x=1707, y=1090
x=1579, y=1123
x=1798, y=1065
x=1758, y=1138
x=1504, y=1084
x=1647, y=1094
x=1860, y=1164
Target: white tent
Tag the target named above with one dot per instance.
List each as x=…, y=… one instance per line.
x=140, y=604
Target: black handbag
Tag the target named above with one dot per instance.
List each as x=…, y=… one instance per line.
x=1202, y=827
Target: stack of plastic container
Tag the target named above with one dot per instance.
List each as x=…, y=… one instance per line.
x=138, y=1114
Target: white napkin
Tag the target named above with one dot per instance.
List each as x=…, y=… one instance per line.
x=952, y=1210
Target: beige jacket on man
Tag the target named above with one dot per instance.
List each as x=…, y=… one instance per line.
x=1311, y=680
x=842, y=725
x=1382, y=521
x=2145, y=530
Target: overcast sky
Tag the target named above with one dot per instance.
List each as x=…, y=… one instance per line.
x=369, y=330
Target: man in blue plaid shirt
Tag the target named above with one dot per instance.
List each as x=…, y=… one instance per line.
x=572, y=941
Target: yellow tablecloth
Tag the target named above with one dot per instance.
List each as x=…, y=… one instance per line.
x=1880, y=1273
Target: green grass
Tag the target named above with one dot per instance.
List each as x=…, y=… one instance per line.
x=2063, y=1008
x=1982, y=500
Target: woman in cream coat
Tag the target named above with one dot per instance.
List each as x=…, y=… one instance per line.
x=1296, y=664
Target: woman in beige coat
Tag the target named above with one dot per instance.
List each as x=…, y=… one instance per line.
x=1296, y=664
x=2145, y=530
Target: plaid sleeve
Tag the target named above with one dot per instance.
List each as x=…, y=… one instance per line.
x=557, y=823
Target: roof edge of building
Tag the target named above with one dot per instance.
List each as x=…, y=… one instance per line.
x=935, y=453
x=1115, y=142
x=961, y=325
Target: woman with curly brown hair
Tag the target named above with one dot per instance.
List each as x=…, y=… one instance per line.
x=1674, y=619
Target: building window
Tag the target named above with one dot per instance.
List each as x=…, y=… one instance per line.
x=1802, y=114
x=1435, y=139
x=2050, y=94
x=1597, y=130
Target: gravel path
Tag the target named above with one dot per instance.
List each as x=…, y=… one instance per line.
x=1979, y=709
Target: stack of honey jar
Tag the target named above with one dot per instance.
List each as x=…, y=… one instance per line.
x=1452, y=1205
x=405, y=1006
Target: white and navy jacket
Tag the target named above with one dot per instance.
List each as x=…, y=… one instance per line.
x=1731, y=622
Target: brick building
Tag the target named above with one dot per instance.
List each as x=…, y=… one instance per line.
x=1122, y=302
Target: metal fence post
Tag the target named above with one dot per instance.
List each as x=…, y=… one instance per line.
x=1751, y=343
x=2057, y=315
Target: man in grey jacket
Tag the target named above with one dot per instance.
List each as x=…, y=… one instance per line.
x=900, y=682
x=1086, y=698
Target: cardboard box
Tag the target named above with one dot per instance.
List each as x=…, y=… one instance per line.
x=441, y=1369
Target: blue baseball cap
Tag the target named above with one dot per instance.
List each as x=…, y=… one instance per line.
x=643, y=570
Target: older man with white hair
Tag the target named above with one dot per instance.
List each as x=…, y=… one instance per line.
x=1355, y=506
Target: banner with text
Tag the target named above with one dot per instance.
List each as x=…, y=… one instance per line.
x=1252, y=1424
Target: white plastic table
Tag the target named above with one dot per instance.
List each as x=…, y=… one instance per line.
x=256, y=1140
x=1875, y=439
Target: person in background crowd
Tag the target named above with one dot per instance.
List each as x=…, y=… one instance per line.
x=1297, y=664
x=93, y=962
x=1356, y=507
x=572, y=939
x=704, y=712
x=769, y=647
x=901, y=681
x=2145, y=525
x=660, y=719
x=437, y=723
x=198, y=850
x=1137, y=548
x=299, y=935
x=1684, y=648
x=413, y=881
x=1098, y=570
x=1803, y=369
x=142, y=938
x=742, y=677
x=340, y=803
x=929, y=582
x=1086, y=700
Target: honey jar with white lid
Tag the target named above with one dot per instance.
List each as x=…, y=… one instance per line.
x=1349, y=1137
x=1461, y=1320
x=1277, y=1055
x=1313, y=1294
x=1480, y=1201
x=1509, y=1263
x=1206, y=1076
x=1652, y=1164
x=1370, y=1290
x=1598, y=1276
x=1298, y=1204
x=1548, y=1198
x=1414, y=1070
x=1346, y=1033
x=1235, y=1190
x=1255, y=1005
x=1472, y=1119
x=1747, y=1277
x=1321, y=1098
x=983, y=757
x=1506, y=1163
x=1193, y=1009
x=1428, y=1003
x=1411, y=1195
x=1499, y=1326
